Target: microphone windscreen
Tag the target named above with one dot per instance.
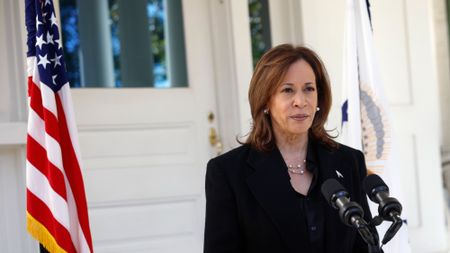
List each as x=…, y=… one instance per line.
x=330, y=187
x=371, y=182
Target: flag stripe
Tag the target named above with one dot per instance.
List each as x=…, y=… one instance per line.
x=37, y=157
x=66, y=97
x=37, y=132
x=38, y=184
x=48, y=98
x=50, y=121
x=36, y=99
x=73, y=171
x=40, y=211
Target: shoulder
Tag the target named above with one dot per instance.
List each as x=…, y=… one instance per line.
x=227, y=168
x=238, y=153
x=346, y=158
x=234, y=158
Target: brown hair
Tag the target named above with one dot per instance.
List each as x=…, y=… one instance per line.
x=268, y=75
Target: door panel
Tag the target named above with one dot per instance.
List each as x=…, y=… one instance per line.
x=145, y=151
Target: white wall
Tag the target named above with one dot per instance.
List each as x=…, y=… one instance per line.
x=13, y=236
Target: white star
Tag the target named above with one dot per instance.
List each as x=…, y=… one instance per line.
x=58, y=41
x=56, y=60
x=53, y=19
x=47, y=2
x=38, y=22
x=54, y=78
x=40, y=41
x=50, y=38
x=43, y=61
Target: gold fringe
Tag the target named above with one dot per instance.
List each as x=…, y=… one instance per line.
x=40, y=233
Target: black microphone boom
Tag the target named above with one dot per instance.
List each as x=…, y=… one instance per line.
x=350, y=212
x=389, y=208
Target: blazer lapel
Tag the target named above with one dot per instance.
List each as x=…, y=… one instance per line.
x=270, y=184
x=331, y=166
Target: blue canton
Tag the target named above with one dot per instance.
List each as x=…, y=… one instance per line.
x=48, y=45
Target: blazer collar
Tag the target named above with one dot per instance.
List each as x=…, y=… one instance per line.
x=270, y=184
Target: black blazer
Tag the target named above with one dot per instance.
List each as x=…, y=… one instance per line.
x=251, y=206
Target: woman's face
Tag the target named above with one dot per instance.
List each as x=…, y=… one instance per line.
x=293, y=105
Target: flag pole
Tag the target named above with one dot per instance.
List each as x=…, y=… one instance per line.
x=42, y=249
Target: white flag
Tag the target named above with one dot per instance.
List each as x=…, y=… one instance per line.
x=365, y=117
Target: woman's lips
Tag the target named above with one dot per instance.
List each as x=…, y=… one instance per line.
x=299, y=117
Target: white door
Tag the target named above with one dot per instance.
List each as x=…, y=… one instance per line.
x=145, y=151
x=412, y=88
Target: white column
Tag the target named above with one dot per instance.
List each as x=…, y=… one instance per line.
x=174, y=39
x=136, y=57
x=96, y=61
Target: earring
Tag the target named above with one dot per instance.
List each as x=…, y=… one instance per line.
x=318, y=108
x=266, y=111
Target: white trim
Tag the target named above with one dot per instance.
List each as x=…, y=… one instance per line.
x=285, y=21
x=242, y=54
x=16, y=43
x=13, y=133
x=233, y=67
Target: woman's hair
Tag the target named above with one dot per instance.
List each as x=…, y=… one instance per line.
x=268, y=75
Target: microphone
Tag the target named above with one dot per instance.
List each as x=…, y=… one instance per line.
x=388, y=208
x=350, y=212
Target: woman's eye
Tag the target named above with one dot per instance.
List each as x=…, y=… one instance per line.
x=310, y=89
x=287, y=90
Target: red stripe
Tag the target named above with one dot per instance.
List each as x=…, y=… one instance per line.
x=42, y=213
x=35, y=98
x=50, y=120
x=73, y=173
x=37, y=156
x=30, y=82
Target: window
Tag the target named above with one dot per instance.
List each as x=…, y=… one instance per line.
x=122, y=43
x=259, y=28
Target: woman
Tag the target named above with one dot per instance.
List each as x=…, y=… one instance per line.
x=265, y=195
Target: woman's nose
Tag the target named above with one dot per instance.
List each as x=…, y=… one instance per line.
x=299, y=100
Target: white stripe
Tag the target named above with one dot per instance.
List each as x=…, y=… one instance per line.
x=67, y=105
x=38, y=184
x=66, y=102
x=36, y=127
x=31, y=63
x=35, y=72
x=76, y=233
x=53, y=152
x=48, y=99
x=37, y=131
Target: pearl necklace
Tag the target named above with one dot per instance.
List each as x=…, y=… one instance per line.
x=298, y=170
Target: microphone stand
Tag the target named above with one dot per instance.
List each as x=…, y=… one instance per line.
x=369, y=234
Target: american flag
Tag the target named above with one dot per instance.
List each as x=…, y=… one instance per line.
x=56, y=203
